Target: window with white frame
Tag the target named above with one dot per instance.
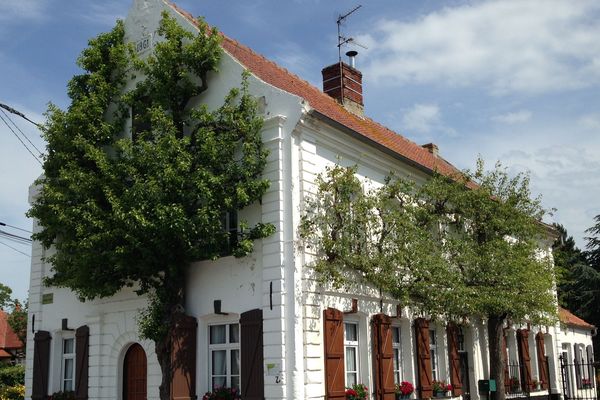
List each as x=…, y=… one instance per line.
x=351, y=352
x=433, y=352
x=224, y=355
x=68, y=365
x=397, y=349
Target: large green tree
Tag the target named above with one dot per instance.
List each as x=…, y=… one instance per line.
x=135, y=213
x=467, y=245
x=496, y=241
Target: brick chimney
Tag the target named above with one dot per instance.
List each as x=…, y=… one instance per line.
x=433, y=149
x=343, y=82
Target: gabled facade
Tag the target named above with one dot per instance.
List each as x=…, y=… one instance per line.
x=263, y=323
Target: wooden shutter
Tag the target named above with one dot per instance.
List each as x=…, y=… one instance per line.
x=41, y=365
x=183, y=358
x=423, y=357
x=454, y=358
x=82, y=355
x=385, y=386
x=524, y=358
x=251, y=349
x=334, y=354
x=541, y=359
x=506, y=369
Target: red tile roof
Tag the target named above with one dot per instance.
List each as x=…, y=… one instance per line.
x=281, y=78
x=566, y=317
x=8, y=338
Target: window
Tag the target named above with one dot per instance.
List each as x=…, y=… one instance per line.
x=351, y=352
x=224, y=353
x=229, y=222
x=460, y=338
x=433, y=354
x=397, y=349
x=68, y=365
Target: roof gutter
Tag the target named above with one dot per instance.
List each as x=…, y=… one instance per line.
x=360, y=137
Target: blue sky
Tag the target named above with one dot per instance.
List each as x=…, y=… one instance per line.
x=512, y=80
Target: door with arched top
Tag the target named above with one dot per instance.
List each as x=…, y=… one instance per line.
x=134, y=373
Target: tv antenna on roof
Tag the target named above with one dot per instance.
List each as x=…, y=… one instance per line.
x=342, y=40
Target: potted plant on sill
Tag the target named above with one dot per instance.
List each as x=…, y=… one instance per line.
x=535, y=384
x=222, y=393
x=441, y=389
x=66, y=395
x=404, y=390
x=514, y=384
x=357, y=392
x=586, y=383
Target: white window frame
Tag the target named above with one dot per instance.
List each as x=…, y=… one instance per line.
x=63, y=363
x=355, y=345
x=433, y=353
x=397, y=351
x=227, y=347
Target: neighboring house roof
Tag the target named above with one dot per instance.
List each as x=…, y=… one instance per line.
x=325, y=105
x=567, y=318
x=8, y=338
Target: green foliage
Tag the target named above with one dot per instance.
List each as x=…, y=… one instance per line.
x=492, y=239
x=125, y=213
x=17, y=320
x=5, y=296
x=12, y=375
x=451, y=247
x=12, y=382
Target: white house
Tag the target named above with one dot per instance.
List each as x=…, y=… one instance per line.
x=263, y=322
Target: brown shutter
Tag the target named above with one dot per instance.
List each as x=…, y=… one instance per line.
x=454, y=358
x=423, y=357
x=41, y=365
x=334, y=354
x=183, y=358
x=82, y=355
x=384, y=358
x=506, y=370
x=524, y=358
x=251, y=349
x=541, y=358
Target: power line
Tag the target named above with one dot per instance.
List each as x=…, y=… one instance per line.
x=20, y=140
x=14, y=227
x=18, y=251
x=16, y=237
x=20, y=114
x=22, y=133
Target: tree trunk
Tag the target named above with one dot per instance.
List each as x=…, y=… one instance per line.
x=163, y=353
x=172, y=304
x=497, y=361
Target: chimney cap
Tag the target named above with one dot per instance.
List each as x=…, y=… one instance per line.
x=352, y=53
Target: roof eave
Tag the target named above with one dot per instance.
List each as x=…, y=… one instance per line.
x=362, y=138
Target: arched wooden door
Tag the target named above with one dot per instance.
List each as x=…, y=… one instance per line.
x=134, y=373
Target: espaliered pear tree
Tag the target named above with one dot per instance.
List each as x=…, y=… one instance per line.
x=454, y=247
x=135, y=213
x=495, y=241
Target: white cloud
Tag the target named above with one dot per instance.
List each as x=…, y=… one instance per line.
x=511, y=118
x=104, y=14
x=17, y=10
x=422, y=118
x=526, y=46
x=591, y=122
